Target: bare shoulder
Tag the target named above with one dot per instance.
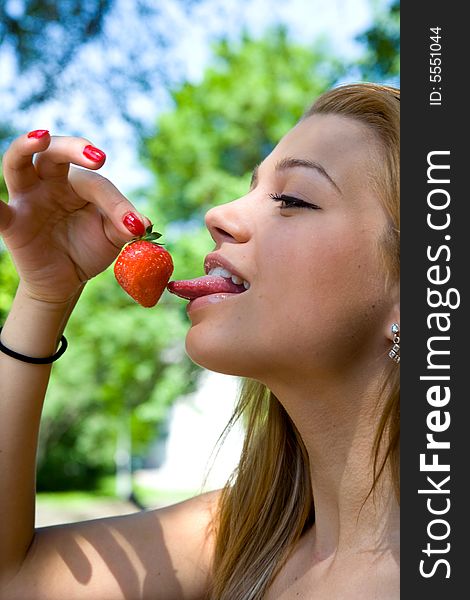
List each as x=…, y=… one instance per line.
x=158, y=554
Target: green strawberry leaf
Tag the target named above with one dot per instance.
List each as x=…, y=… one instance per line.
x=150, y=237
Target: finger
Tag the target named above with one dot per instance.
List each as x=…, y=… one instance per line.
x=6, y=216
x=54, y=163
x=17, y=164
x=98, y=190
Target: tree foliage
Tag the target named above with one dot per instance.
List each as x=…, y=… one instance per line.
x=125, y=363
x=204, y=149
x=381, y=61
x=36, y=29
x=8, y=282
x=115, y=50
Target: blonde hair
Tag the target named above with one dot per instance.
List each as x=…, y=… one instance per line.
x=267, y=503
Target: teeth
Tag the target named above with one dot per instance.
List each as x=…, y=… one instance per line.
x=221, y=272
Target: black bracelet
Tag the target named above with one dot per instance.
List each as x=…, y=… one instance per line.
x=35, y=361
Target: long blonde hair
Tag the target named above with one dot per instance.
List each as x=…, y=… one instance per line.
x=267, y=504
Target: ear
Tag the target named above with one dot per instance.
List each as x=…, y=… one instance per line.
x=390, y=326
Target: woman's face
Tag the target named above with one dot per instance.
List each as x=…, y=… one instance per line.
x=317, y=302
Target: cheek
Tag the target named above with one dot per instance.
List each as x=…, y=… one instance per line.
x=323, y=295
x=325, y=269
x=345, y=271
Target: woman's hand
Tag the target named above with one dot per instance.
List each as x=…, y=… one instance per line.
x=62, y=225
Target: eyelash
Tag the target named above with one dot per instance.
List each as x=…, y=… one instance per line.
x=291, y=202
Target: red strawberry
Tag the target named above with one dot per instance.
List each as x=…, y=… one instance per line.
x=143, y=268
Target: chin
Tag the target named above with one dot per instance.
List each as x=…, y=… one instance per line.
x=215, y=354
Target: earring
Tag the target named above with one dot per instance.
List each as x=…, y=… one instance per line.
x=395, y=351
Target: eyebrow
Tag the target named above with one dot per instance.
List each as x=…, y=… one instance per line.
x=292, y=163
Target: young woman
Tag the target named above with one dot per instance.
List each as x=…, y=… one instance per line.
x=313, y=509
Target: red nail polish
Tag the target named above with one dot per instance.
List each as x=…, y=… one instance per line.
x=38, y=133
x=93, y=153
x=134, y=224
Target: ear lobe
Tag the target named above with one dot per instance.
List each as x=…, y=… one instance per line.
x=392, y=323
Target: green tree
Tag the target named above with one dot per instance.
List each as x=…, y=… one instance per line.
x=8, y=282
x=33, y=29
x=60, y=47
x=124, y=367
x=381, y=60
x=203, y=150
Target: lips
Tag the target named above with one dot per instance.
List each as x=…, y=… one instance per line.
x=222, y=277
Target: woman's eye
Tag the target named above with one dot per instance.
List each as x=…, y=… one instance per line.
x=292, y=202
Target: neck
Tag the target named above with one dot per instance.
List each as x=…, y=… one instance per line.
x=338, y=427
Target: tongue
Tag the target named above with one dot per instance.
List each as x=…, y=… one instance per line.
x=203, y=286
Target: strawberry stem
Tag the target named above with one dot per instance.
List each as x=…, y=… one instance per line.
x=149, y=236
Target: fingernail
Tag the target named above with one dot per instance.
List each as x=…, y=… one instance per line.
x=93, y=153
x=38, y=133
x=133, y=223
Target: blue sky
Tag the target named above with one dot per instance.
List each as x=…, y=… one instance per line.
x=306, y=20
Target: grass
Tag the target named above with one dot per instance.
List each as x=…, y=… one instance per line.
x=106, y=492
x=152, y=497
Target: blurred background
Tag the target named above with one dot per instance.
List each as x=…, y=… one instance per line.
x=185, y=97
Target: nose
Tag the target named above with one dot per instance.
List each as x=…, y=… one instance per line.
x=228, y=223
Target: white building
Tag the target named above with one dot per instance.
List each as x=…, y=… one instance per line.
x=196, y=421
